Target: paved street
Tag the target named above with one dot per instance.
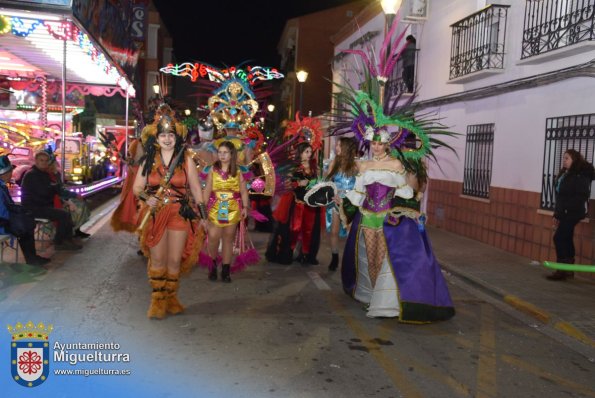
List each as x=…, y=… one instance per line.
x=279, y=331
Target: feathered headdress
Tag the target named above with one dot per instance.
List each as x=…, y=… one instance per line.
x=306, y=129
x=392, y=121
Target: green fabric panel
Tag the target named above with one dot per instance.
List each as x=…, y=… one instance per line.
x=373, y=220
x=349, y=209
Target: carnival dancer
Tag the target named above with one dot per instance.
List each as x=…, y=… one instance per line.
x=342, y=171
x=388, y=261
x=296, y=221
x=170, y=233
x=227, y=208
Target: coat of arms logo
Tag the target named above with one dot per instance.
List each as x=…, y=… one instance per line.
x=30, y=353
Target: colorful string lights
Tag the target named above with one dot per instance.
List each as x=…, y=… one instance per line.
x=197, y=70
x=23, y=27
x=5, y=25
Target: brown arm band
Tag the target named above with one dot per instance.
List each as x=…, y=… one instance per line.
x=202, y=210
x=143, y=196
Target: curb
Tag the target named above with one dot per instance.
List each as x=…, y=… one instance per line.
x=521, y=305
x=528, y=308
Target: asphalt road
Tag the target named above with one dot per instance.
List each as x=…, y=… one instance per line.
x=276, y=331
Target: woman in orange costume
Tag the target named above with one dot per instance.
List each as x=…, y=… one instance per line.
x=125, y=215
x=171, y=236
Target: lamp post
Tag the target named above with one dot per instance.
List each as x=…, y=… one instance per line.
x=301, y=75
x=390, y=8
x=156, y=88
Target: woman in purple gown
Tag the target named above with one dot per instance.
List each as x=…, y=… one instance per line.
x=388, y=262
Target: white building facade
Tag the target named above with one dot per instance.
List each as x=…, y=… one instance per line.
x=516, y=80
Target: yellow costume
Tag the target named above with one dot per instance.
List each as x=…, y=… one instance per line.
x=224, y=205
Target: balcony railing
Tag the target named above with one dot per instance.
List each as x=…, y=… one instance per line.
x=553, y=24
x=403, y=80
x=478, y=41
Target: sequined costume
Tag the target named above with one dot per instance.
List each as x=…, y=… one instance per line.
x=224, y=205
x=296, y=222
x=344, y=184
x=168, y=216
x=388, y=263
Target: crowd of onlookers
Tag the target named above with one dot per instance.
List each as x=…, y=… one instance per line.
x=43, y=197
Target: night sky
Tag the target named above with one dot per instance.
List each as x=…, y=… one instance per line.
x=230, y=32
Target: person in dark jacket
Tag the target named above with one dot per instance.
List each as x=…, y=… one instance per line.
x=573, y=186
x=27, y=240
x=408, y=58
x=37, y=195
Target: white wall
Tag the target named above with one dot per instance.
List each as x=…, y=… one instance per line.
x=519, y=136
x=519, y=116
x=344, y=71
x=434, y=44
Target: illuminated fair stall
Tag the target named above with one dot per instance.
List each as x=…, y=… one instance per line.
x=52, y=54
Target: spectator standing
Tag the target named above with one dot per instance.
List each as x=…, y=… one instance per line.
x=573, y=186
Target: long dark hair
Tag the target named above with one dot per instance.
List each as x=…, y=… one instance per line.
x=345, y=162
x=233, y=163
x=301, y=148
x=579, y=164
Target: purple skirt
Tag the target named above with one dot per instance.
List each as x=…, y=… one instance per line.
x=423, y=293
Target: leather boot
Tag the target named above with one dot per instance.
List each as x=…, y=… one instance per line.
x=225, y=274
x=158, y=306
x=173, y=305
x=213, y=272
x=334, y=262
x=311, y=260
x=304, y=261
x=559, y=275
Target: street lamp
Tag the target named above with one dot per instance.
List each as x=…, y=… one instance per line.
x=301, y=75
x=390, y=8
x=271, y=107
x=156, y=88
x=187, y=112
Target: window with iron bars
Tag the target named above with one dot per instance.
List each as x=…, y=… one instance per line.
x=562, y=133
x=553, y=24
x=479, y=149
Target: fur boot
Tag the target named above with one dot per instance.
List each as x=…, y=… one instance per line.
x=173, y=305
x=158, y=297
